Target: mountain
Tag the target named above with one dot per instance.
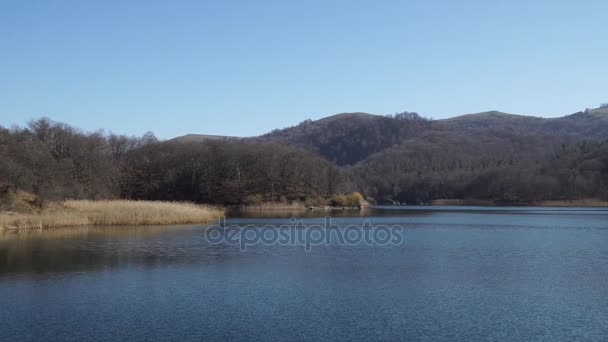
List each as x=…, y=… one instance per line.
x=345, y=138
x=349, y=138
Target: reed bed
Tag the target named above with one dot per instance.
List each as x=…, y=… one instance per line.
x=75, y=213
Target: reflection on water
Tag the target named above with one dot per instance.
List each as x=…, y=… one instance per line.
x=461, y=273
x=89, y=248
x=303, y=212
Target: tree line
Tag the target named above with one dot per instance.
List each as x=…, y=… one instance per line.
x=577, y=172
x=56, y=161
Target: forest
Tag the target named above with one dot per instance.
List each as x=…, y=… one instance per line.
x=402, y=158
x=55, y=161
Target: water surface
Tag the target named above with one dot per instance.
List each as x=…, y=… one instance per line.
x=461, y=274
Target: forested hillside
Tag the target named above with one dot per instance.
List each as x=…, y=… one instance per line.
x=347, y=139
x=351, y=137
x=407, y=158
x=492, y=155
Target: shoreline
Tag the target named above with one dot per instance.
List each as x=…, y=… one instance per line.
x=83, y=213
x=270, y=206
x=545, y=203
x=293, y=207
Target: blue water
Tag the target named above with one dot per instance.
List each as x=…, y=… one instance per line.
x=460, y=274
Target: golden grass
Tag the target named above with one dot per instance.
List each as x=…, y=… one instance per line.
x=111, y=213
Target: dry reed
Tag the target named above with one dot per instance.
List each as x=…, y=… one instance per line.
x=112, y=212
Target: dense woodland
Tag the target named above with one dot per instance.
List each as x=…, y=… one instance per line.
x=56, y=161
x=404, y=157
x=494, y=156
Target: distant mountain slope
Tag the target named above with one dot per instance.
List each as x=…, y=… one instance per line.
x=591, y=124
x=349, y=138
x=599, y=111
x=493, y=120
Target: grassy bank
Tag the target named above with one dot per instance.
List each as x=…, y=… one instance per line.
x=110, y=213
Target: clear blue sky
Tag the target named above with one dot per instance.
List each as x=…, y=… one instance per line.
x=246, y=67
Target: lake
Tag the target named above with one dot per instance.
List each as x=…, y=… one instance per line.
x=459, y=274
